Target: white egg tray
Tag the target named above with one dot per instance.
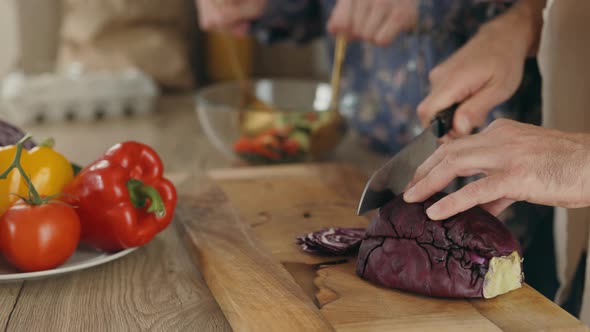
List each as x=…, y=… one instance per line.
x=76, y=96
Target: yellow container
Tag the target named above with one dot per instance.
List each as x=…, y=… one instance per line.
x=219, y=67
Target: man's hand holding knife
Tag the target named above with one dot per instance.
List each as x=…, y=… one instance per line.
x=519, y=162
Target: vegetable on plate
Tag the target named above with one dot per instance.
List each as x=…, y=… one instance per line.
x=37, y=232
x=122, y=199
x=48, y=170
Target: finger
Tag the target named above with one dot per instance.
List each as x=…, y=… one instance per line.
x=442, y=70
x=485, y=190
x=361, y=10
x=388, y=31
x=472, y=156
x=473, y=112
x=340, y=21
x=496, y=207
x=460, y=163
x=461, y=145
x=426, y=108
x=457, y=84
x=426, y=167
x=375, y=20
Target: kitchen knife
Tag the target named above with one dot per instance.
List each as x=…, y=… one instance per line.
x=394, y=176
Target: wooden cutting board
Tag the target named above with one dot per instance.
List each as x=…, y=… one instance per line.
x=263, y=281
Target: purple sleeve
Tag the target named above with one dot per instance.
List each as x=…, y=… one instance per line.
x=303, y=20
x=439, y=14
x=293, y=20
x=458, y=16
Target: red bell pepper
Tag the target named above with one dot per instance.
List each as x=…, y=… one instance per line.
x=122, y=198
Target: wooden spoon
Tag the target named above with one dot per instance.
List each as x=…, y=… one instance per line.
x=330, y=133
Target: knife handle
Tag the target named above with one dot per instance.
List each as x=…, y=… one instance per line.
x=443, y=121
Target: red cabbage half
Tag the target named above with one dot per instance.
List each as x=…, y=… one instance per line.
x=469, y=255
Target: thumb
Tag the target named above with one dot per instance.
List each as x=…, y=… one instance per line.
x=437, y=100
x=455, y=87
x=472, y=113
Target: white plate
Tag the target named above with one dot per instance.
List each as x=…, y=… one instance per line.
x=83, y=258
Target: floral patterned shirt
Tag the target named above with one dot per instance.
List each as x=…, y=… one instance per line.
x=384, y=85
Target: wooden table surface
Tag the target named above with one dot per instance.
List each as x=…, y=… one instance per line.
x=157, y=287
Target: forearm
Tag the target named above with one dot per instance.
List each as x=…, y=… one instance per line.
x=523, y=21
x=531, y=11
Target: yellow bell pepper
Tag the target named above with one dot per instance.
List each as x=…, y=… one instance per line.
x=48, y=170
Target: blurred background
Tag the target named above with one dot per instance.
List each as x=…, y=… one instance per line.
x=112, y=34
x=103, y=71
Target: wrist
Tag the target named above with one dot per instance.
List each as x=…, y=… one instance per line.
x=520, y=26
x=530, y=13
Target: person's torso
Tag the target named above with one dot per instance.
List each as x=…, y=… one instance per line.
x=382, y=86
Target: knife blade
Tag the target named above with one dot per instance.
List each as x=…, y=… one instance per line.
x=392, y=178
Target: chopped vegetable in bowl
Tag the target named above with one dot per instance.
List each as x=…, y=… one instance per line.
x=288, y=139
x=295, y=109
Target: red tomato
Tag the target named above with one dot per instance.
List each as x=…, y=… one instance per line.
x=39, y=237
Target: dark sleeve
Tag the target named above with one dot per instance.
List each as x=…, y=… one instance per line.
x=460, y=17
x=298, y=21
x=440, y=14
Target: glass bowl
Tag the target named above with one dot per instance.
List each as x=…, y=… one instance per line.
x=262, y=137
